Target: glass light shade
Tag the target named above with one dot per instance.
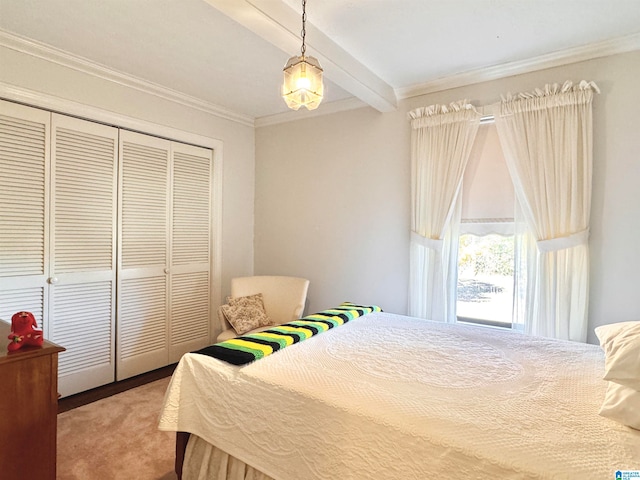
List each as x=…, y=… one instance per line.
x=302, y=85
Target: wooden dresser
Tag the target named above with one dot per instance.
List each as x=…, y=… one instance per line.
x=28, y=410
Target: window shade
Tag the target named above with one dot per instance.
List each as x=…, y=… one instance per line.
x=488, y=198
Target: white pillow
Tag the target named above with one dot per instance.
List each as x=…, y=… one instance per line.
x=621, y=345
x=622, y=404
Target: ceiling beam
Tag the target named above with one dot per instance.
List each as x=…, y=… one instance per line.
x=280, y=25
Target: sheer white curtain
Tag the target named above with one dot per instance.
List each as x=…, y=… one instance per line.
x=441, y=141
x=546, y=136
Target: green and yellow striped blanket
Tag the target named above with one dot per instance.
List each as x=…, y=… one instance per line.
x=247, y=348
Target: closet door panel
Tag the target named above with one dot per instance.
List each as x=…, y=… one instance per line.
x=190, y=320
x=15, y=299
x=24, y=210
x=143, y=255
x=190, y=312
x=83, y=241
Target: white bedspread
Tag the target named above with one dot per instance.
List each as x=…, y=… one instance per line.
x=392, y=397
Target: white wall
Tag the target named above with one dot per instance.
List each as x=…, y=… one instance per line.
x=333, y=194
x=332, y=205
x=38, y=75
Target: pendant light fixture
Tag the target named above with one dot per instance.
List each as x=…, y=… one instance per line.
x=302, y=85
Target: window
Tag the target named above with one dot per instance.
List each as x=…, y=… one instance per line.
x=486, y=244
x=485, y=279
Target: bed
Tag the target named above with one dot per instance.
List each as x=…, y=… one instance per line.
x=394, y=397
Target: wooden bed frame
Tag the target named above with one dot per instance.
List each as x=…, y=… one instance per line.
x=181, y=445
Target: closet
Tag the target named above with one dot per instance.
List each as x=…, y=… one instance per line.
x=105, y=235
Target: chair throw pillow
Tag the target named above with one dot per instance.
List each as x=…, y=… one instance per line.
x=246, y=313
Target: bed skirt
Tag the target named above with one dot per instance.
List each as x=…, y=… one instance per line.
x=203, y=461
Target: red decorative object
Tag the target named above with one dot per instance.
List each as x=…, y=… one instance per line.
x=24, y=331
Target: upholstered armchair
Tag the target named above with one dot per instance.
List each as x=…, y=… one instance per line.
x=283, y=298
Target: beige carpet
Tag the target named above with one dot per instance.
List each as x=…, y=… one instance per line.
x=117, y=438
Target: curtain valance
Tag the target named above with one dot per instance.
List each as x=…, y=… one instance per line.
x=552, y=95
x=434, y=115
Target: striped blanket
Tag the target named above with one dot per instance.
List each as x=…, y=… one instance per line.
x=247, y=348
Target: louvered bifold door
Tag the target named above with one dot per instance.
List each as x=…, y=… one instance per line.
x=83, y=248
x=24, y=190
x=190, y=272
x=143, y=258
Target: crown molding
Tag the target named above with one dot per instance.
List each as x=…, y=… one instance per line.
x=325, y=109
x=71, y=108
x=564, y=57
x=65, y=59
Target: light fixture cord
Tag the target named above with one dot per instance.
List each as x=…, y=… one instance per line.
x=304, y=31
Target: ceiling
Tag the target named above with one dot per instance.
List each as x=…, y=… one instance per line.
x=229, y=53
